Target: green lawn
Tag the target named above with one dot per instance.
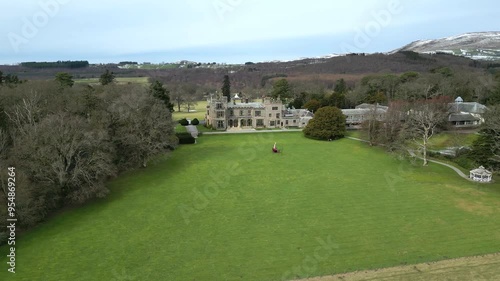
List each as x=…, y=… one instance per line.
x=201, y=108
x=229, y=209
x=119, y=80
x=451, y=139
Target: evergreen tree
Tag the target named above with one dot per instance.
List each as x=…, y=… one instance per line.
x=107, y=77
x=226, y=87
x=159, y=92
x=486, y=148
x=65, y=79
x=340, y=86
x=282, y=89
x=328, y=123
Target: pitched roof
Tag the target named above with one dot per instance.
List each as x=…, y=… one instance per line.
x=246, y=105
x=481, y=171
x=457, y=117
x=358, y=111
x=370, y=106
x=470, y=107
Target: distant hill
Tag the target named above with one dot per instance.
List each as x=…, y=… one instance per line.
x=321, y=71
x=470, y=52
x=476, y=45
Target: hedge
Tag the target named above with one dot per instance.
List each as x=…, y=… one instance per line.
x=185, y=138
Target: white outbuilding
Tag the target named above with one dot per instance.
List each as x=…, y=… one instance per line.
x=480, y=174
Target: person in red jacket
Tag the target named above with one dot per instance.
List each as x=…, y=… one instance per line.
x=275, y=150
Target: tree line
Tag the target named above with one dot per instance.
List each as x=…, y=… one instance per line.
x=57, y=64
x=66, y=141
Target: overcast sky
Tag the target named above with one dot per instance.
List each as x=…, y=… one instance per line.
x=231, y=31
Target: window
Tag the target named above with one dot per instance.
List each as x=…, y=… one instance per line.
x=220, y=124
x=270, y=115
x=294, y=121
x=249, y=122
x=275, y=108
x=231, y=112
x=260, y=122
x=272, y=123
x=218, y=106
x=257, y=113
x=286, y=122
x=277, y=116
x=220, y=114
x=208, y=112
x=249, y=112
x=241, y=112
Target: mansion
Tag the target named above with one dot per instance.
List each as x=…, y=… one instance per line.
x=240, y=113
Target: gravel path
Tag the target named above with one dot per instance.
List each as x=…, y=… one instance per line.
x=251, y=131
x=193, y=130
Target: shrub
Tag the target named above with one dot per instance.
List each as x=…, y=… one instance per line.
x=185, y=138
x=195, y=121
x=328, y=123
x=184, y=122
x=465, y=161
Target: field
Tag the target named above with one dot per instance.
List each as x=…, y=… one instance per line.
x=118, y=80
x=229, y=209
x=201, y=108
x=450, y=139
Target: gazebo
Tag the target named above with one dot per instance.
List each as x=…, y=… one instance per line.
x=480, y=174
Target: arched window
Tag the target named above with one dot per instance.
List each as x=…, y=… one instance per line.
x=243, y=123
x=249, y=123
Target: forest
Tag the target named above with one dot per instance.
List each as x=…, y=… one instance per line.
x=67, y=142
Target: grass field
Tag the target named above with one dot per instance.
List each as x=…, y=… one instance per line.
x=201, y=108
x=118, y=80
x=229, y=209
x=450, y=139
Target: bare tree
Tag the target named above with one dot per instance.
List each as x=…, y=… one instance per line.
x=393, y=124
x=177, y=96
x=373, y=125
x=142, y=128
x=422, y=121
x=191, y=94
x=24, y=116
x=66, y=156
